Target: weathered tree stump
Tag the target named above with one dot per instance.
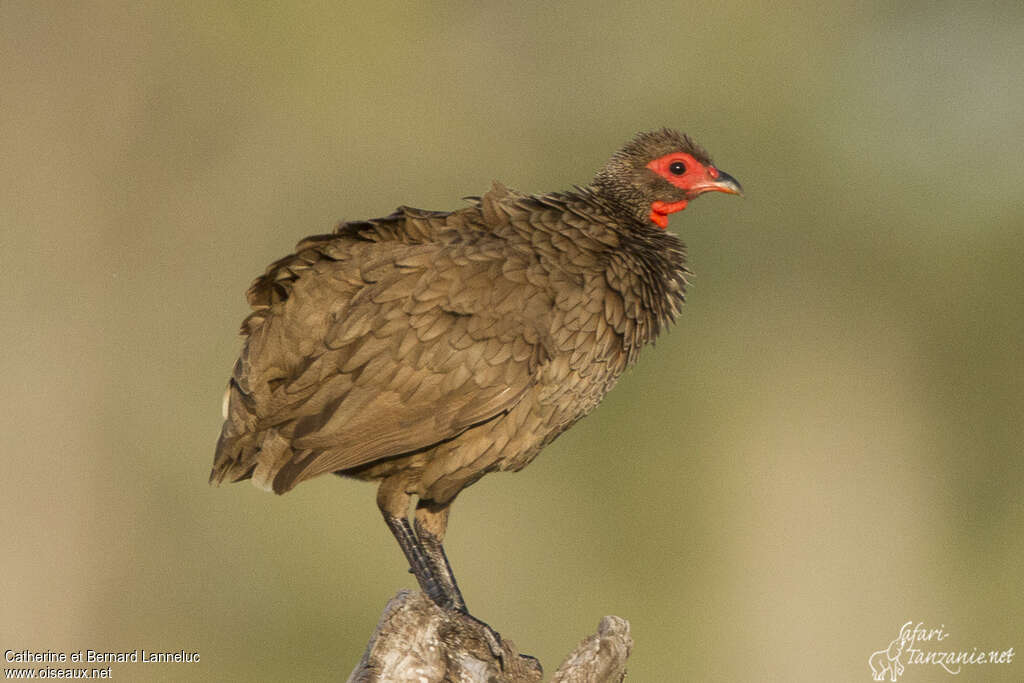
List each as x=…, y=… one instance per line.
x=599, y=657
x=416, y=640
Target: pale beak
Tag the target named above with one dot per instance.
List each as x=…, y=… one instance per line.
x=717, y=181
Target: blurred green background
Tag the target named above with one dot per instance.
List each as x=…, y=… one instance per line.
x=827, y=445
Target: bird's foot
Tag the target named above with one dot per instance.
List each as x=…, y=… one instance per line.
x=493, y=638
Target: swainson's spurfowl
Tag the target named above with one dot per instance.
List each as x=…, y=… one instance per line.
x=427, y=348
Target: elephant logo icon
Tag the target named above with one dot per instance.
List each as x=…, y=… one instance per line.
x=887, y=661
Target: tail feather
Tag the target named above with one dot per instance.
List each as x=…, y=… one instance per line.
x=238, y=445
x=234, y=460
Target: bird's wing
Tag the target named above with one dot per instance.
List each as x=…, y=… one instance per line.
x=387, y=348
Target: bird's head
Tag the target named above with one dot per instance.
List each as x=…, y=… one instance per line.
x=658, y=173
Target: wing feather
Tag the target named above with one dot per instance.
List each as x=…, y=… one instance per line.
x=398, y=363
x=387, y=337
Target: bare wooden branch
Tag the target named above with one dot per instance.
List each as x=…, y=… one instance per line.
x=416, y=640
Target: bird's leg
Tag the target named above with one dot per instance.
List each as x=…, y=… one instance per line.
x=393, y=502
x=431, y=523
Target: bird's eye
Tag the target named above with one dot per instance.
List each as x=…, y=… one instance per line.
x=677, y=168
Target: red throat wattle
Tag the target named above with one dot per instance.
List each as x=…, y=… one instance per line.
x=661, y=210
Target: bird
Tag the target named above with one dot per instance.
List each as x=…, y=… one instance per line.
x=425, y=349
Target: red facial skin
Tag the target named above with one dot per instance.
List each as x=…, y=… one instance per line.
x=695, y=180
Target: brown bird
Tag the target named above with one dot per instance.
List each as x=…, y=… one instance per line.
x=426, y=349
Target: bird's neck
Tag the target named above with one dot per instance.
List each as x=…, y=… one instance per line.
x=622, y=200
x=647, y=265
x=655, y=268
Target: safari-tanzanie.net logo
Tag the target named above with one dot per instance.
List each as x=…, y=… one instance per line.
x=917, y=644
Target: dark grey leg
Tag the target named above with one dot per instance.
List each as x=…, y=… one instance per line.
x=419, y=563
x=437, y=560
